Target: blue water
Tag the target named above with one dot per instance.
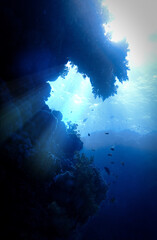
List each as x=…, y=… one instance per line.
x=130, y=209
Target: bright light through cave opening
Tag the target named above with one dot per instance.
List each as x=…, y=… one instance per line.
x=136, y=23
x=71, y=97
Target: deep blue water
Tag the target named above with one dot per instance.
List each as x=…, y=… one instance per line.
x=133, y=214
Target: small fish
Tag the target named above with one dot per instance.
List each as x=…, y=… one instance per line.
x=112, y=200
x=112, y=162
x=92, y=110
x=71, y=111
x=84, y=120
x=122, y=163
x=107, y=170
x=93, y=149
x=107, y=133
x=112, y=148
x=109, y=154
x=88, y=134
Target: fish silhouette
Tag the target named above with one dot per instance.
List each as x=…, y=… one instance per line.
x=107, y=170
x=84, y=120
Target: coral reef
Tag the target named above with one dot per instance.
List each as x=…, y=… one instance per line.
x=46, y=194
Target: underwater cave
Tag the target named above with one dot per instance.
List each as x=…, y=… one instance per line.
x=59, y=66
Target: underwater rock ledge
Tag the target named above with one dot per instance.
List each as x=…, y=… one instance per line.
x=48, y=188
